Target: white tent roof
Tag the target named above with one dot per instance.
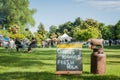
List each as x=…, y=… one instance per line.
x=65, y=37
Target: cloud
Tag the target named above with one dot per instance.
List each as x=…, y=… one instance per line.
x=101, y=4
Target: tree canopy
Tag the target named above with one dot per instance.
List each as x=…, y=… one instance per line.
x=15, y=15
x=16, y=12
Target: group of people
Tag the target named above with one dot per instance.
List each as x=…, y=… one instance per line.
x=23, y=44
x=111, y=42
x=18, y=43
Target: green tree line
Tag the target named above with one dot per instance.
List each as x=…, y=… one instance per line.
x=16, y=18
x=89, y=28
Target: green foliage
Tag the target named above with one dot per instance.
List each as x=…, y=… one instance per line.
x=27, y=33
x=14, y=29
x=16, y=12
x=53, y=36
x=4, y=32
x=117, y=30
x=41, y=29
x=81, y=29
x=68, y=25
x=106, y=31
x=66, y=31
x=41, y=33
x=53, y=29
x=19, y=36
x=91, y=22
x=78, y=22
x=85, y=34
x=38, y=37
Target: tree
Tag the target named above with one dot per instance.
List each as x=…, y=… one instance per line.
x=27, y=33
x=117, y=30
x=41, y=34
x=66, y=31
x=85, y=34
x=53, y=29
x=68, y=25
x=106, y=31
x=90, y=22
x=53, y=36
x=110, y=32
x=16, y=12
x=14, y=29
x=41, y=29
x=78, y=22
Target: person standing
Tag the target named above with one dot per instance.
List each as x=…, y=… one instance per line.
x=18, y=44
x=32, y=44
x=110, y=42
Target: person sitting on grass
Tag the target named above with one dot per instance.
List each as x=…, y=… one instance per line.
x=32, y=44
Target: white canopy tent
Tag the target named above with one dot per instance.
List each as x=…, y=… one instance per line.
x=64, y=38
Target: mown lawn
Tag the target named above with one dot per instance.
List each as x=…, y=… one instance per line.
x=41, y=65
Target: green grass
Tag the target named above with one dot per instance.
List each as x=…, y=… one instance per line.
x=41, y=65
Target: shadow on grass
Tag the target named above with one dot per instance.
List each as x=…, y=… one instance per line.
x=113, y=62
x=45, y=52
x=52, y=76
x=36, y=58
x=35, y=51
x=14, y=61
x=113, y=56
x=112, y=47
x=91, y=77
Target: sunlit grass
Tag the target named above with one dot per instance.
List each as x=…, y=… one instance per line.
x=41, y=65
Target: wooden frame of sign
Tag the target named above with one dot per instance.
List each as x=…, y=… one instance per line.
x=69, y=59
x=68, y=72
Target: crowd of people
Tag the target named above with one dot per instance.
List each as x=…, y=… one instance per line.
x=25, y=44
x=111, y=42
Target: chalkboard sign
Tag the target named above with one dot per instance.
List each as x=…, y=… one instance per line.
x=69, y=58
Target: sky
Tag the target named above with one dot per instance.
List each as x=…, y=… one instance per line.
x=57, y=12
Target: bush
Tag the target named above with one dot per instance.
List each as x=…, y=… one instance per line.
x=20, y=36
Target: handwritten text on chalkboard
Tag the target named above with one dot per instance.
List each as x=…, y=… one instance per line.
x=69, y=59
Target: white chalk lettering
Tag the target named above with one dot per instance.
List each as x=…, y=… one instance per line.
x=69, y=56
x=65, y=62
x=72, y=66
x=65, y=51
